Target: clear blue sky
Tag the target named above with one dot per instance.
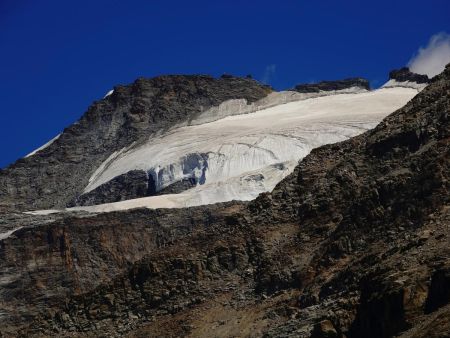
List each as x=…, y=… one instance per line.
x=59, y=56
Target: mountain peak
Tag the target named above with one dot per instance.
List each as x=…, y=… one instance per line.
x=333, y=85
x=403, y=77
x=404, y=74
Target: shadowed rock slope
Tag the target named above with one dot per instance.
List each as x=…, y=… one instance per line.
x=354, y=243
x=55, y=176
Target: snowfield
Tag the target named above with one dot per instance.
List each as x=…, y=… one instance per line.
x=108, y=93
x=4, y=235
x=237, y=157
x=241, y=106
x=43, y=146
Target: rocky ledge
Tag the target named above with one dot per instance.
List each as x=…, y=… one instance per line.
x=333, y=85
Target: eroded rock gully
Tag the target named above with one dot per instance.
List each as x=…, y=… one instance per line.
x=354, y=243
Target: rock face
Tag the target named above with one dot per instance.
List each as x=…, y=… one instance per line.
x=354, y=243
x=133, y=184
x=404, y=74
x=57, y=175
x=332, y=85
x=178, y=187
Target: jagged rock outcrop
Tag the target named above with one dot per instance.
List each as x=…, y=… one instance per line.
x=404, y=74
x=133, y=184
x=332, y=85
x=57, y=175
x=178, y=187
x=354, y=243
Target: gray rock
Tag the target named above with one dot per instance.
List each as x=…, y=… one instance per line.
x=404, y=74
x=332, y=85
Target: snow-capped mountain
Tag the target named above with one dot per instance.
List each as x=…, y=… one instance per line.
x=230, y=139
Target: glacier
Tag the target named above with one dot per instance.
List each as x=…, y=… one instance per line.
x=236, y=151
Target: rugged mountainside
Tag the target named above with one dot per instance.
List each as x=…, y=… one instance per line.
x=355, y=243
x=57, y=174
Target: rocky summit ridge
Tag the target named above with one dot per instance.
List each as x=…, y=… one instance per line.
x=404, y=74
x=333, y=85
x=354, y=243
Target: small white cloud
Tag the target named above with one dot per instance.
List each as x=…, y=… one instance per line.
x=269, y=72
x=432, y=59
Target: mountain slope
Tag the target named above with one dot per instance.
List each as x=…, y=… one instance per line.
x=354, y=242
x=57, y=174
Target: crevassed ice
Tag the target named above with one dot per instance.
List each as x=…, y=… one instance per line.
x=224, y=147
x=246, y=186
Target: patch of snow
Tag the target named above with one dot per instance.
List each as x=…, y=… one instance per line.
x=244, y=187
x=108, y=93
x=43, y=146
x=43, y=212
x=8, y=233
x=406, y=84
